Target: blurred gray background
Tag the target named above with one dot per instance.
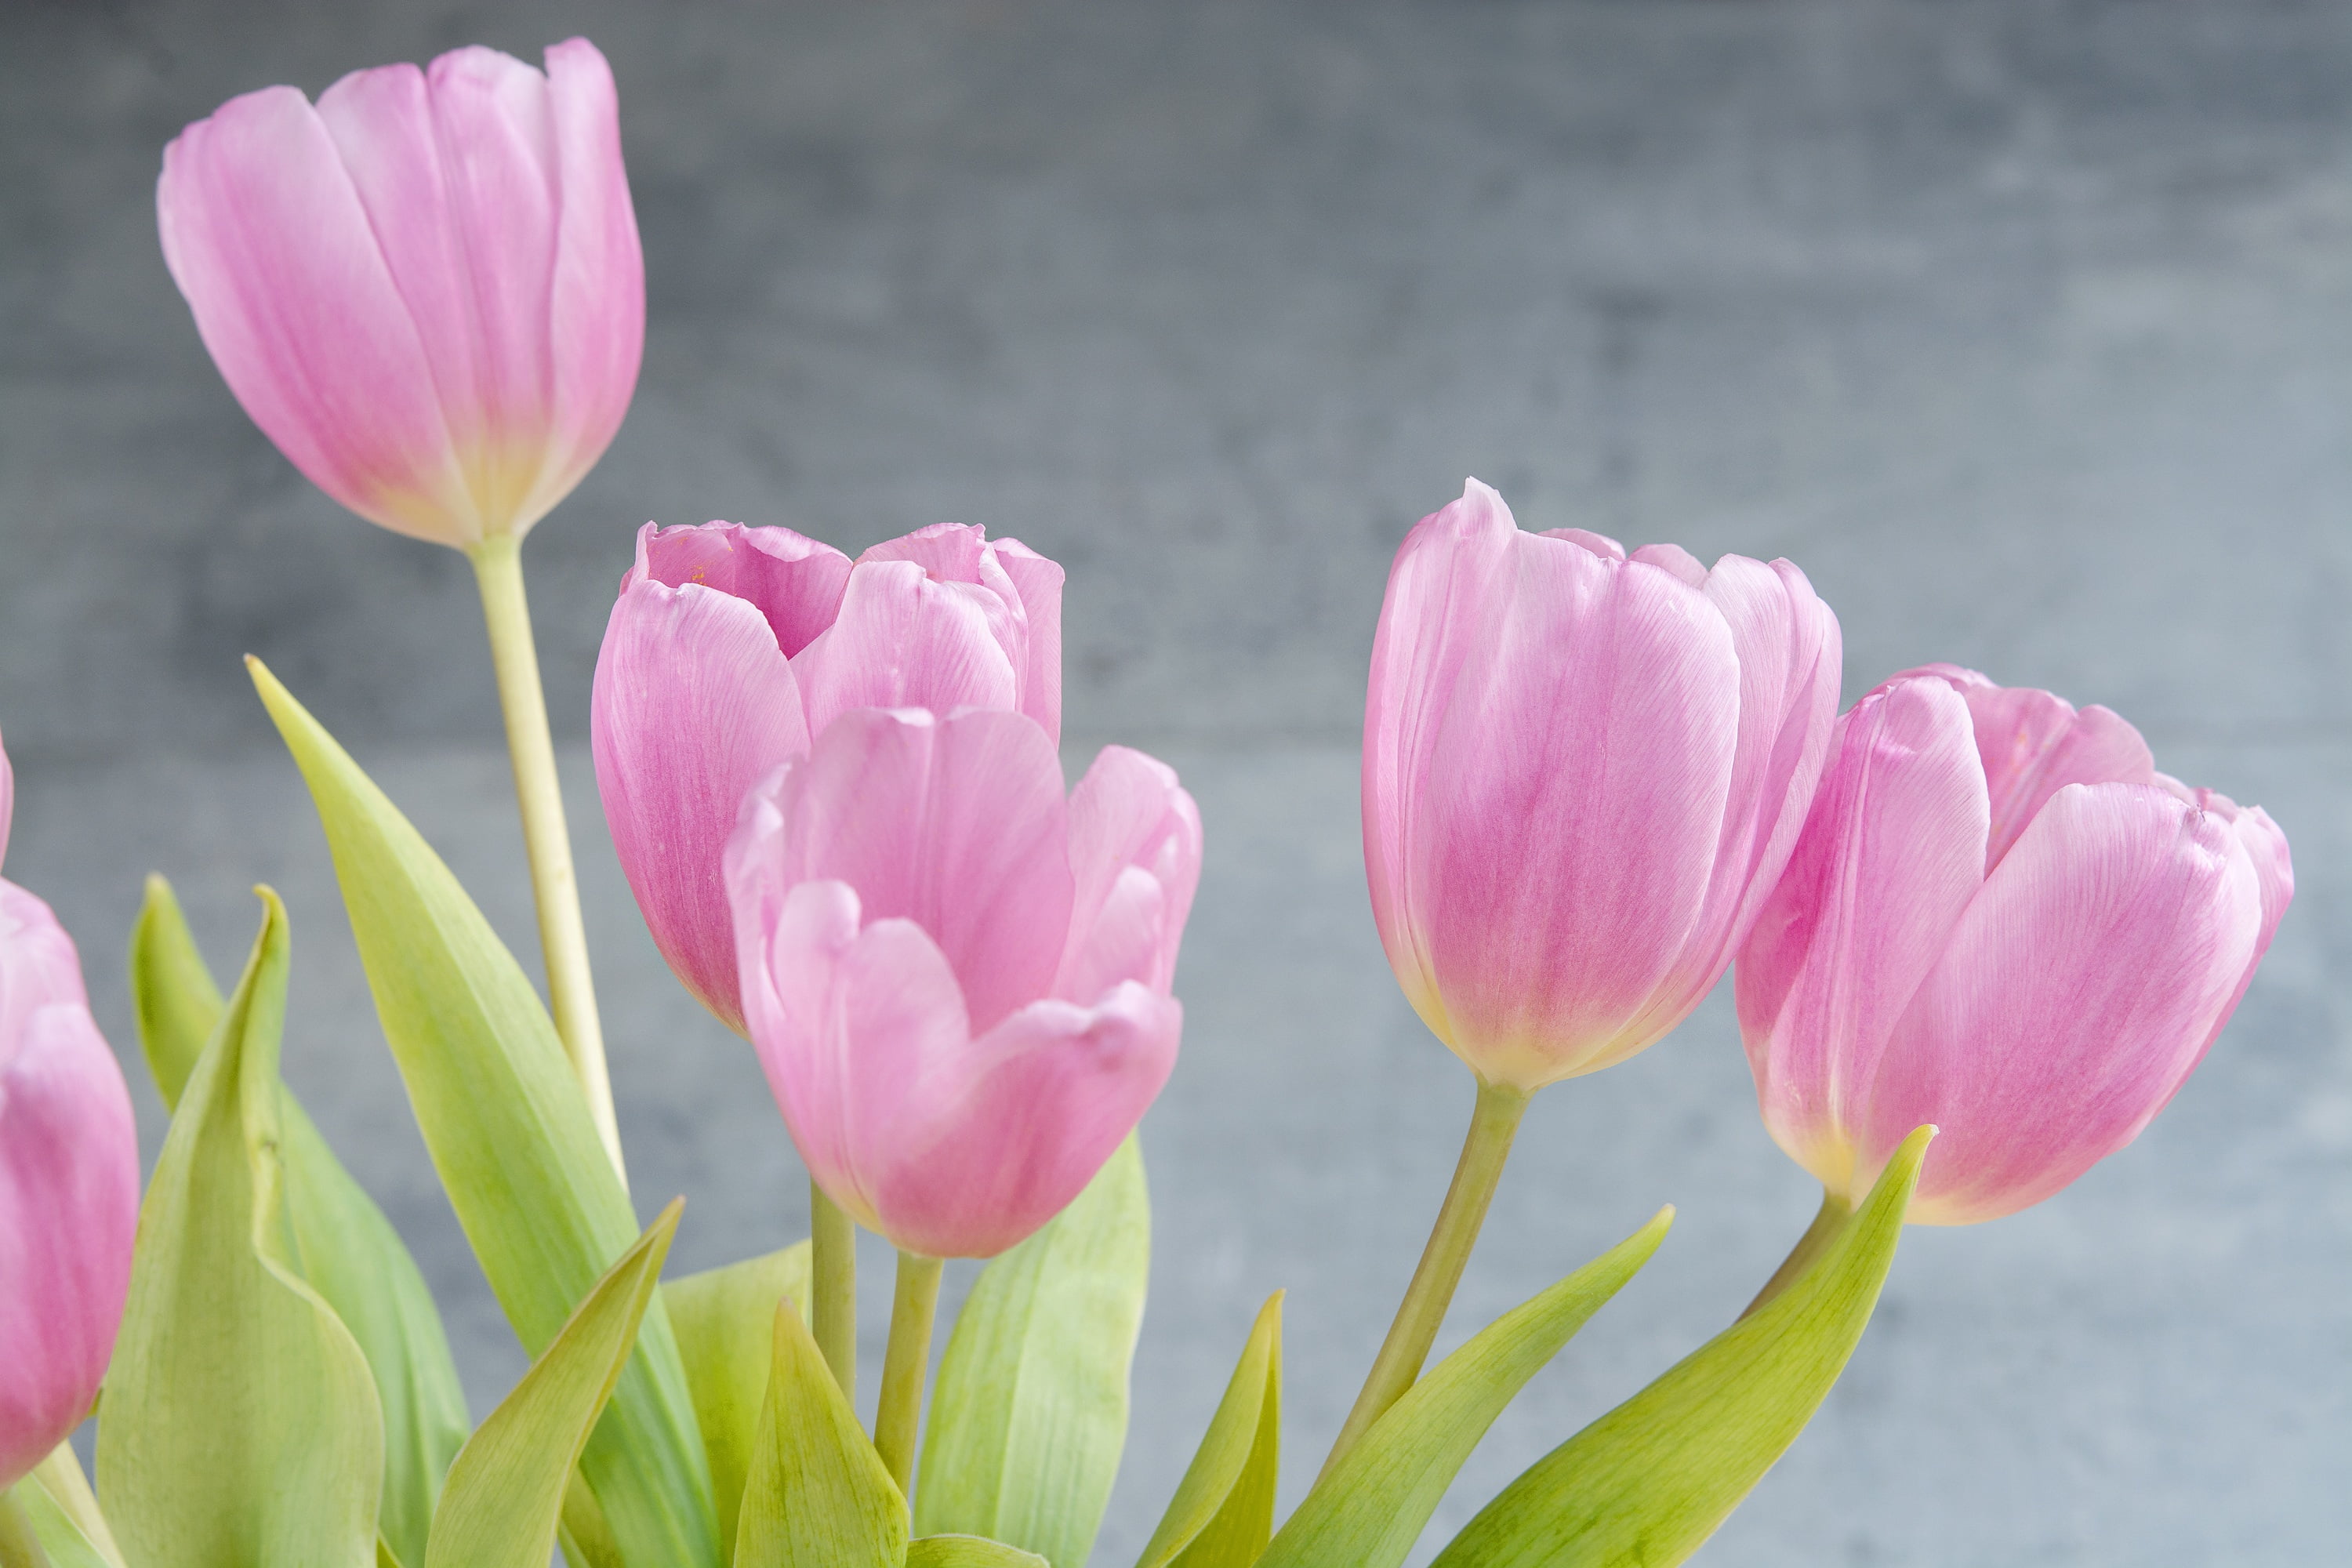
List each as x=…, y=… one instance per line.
x=2025, y=328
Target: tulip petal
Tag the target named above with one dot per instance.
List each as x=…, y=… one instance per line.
x=2077, y=990
x=1789, y=655
x=999, y=1137
x=1039, y=582
x=794, y=581
x=1135, y=853
x=904, y=640
x=596, y=304
x=2034, y=744
x=693, y=704
x=958, y=824
x=947, y=1146
x=1889, y=858
x=1554, y=892
x=68, y=1205
x=314, y=339
x=1437, y=594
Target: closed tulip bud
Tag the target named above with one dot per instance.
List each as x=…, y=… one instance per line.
x=729, y=647
x=427, y=289
x=957, y=980
x=1582, y=773
x=2002, y=919
x=69, y=1182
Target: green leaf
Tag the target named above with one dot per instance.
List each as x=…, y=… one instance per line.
x=726, y=1325
x=1224, y=1509
x=1651, y=1480
x=505, y=1496
x=172, y=991
x=241, y=1420
x=344, y=1248
x=1369, y=1511
x=510, y=1135
x=967, y=1551
x=818, y=1496
x=1030, y=1410
x=63, y=1513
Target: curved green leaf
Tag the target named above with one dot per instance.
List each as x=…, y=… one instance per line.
x=343, y=1246
x=505, y=1496
x=1223, y=1512
x=63, y=1513
x=1030, y=1410
x=967, y=1551
x=818, y=1495
x=241, y=1419
x=510, y=1135
x=726, y=1324
x=1651, y=1480
x=1370, y=1510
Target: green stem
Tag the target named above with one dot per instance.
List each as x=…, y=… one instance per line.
x=562, y=938
x=832, y=1289
x=904, y=1366
x=1492, y=1126
x=1828, y=1220
x=19, y=1547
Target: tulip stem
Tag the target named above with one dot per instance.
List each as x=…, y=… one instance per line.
x=1828, y=1220
x=904, y=1365
x=19, y=1547
x=833, y=1288
x=562, y=938
x=1493, y=1124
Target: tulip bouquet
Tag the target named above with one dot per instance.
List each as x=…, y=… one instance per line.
x=1594, y=780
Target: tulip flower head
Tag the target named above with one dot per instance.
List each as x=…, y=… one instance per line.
x=426, y=289
x=730, y=647
x=1583, y=771
x=957, y=979
x=69, y=1181
x=2002, y=919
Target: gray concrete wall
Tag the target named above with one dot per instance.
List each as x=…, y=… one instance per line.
x=2025, y=328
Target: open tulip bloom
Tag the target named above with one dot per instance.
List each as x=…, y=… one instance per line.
x=1979, y=940
x=69, y=1181
x=2002, y=919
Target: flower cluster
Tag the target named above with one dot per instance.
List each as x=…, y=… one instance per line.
x=1595, y=781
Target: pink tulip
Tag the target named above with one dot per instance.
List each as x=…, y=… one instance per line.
x=957, y=981
x=730, y=646
x=1582, y=773
x=427, y=289
x=2002, y=919
x=69, y=1182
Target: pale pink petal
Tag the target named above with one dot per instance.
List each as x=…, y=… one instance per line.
x=2266, y=851
x=1135, y=852
x=2076, y=991
x=693, y=704
x=2034, y=744
x=69, y=1188
x=1890, y=856
x=1791, y=655
x=996, y=1139
x=1039, y=583
x=1574, y=787
x=904, y=640
x=794, y=581
x=958, y=824
x=1674, y=558
x=1599, y=543
x=1445, y=574
x=596, y=304
x=313, y=338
